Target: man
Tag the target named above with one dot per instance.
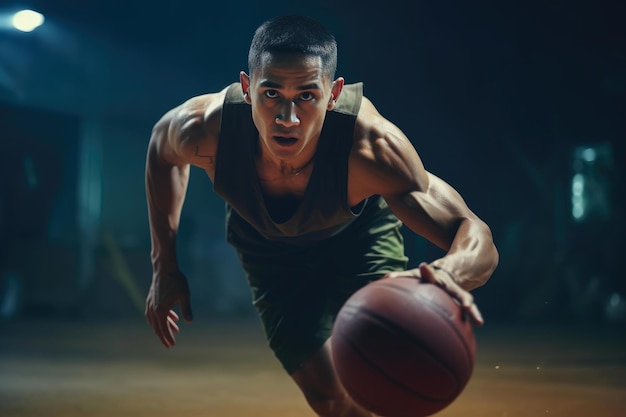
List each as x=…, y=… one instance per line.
x=315, y=180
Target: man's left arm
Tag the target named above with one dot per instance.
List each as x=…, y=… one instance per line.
x=440, y=214
x=384, y=162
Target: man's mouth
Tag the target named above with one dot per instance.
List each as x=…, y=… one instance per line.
x=285, y=140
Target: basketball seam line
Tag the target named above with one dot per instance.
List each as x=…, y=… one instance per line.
x=399, y=331
x=443, y=313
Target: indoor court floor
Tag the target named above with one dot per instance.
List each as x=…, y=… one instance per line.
x=50, y=368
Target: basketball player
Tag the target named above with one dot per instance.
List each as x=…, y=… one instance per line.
x=317, y=184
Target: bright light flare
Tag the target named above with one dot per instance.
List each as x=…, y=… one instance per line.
x=27, y=20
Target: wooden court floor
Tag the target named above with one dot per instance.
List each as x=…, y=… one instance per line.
x=51, y=368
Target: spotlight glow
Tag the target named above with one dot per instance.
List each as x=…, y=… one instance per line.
x=27, y=20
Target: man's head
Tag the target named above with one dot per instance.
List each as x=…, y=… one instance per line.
x=290, y=87
x=296, y=35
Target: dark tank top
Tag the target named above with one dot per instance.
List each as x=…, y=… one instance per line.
x=323, y=210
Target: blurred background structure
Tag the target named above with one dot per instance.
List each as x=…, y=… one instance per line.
x=520, y=105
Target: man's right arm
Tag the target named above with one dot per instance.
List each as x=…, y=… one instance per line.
x=167, y=176
x=181, y=138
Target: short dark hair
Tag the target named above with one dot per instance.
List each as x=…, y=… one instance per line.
x=296, y=35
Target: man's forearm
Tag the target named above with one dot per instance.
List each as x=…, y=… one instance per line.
x=166, y=186
x=473, y=257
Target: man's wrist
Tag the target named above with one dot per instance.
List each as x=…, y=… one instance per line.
x=446, y=271
x=163, y=267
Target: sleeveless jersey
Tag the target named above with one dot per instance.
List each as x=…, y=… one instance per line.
x=323, y=210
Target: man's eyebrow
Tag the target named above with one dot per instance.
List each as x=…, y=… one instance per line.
x=271, y=84
x=312, y=86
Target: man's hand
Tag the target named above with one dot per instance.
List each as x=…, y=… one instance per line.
x=443, y=279
x=166, y=292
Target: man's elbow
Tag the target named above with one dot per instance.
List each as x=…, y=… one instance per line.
x=491, y=258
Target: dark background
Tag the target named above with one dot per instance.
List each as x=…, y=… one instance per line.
x=496, y=96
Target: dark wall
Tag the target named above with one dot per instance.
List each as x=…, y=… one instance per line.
x=494, y=95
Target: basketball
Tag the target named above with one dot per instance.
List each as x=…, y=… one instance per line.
x=403, y=347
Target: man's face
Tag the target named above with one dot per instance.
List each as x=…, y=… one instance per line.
x=290, y=95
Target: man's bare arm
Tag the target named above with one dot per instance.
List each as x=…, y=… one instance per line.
x=440, y=215
x=184, y=136
x=383, y=161
x=167, y=176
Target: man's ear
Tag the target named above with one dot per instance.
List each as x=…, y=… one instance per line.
x=335, y=92
x=244, y=79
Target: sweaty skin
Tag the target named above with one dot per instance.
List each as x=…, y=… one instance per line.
x=290, y=95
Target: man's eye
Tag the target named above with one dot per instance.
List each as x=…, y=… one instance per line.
x=306, y=96
x=271, y=93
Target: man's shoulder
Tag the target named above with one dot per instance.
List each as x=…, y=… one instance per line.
x=196, y=113
x=204, y=106
x=369, y=121
x=197, y=118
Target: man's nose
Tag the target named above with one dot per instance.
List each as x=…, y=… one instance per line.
x=287, y=116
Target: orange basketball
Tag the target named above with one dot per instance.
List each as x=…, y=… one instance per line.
x=403, y=347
